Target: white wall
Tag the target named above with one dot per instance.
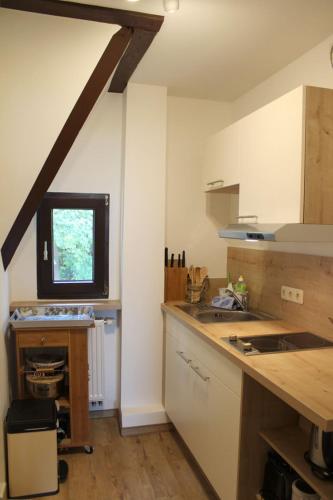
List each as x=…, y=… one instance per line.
x=42, y=75
x=193, y=217
x=92, y=166
x=45, y=63
x=4, y=308
x=142, y=255
x=313, y=68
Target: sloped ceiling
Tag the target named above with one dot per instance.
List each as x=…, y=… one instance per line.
x=219, y=49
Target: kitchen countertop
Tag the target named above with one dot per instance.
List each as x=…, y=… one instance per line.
x=303, y=379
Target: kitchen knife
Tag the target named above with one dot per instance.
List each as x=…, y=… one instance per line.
x=166, y=257
x=183, y=259
x=172, y=259
x=179, y=261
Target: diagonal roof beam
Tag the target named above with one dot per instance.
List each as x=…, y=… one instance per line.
x=131, y=19
x=136, y=49
x=65, y=140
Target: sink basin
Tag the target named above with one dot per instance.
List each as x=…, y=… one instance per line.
x=226, y=316
x=209, y=314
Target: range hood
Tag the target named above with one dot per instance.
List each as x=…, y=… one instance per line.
x=279, y=232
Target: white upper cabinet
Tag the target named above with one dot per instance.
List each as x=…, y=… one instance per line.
x=271, y=161
x=281, y=156
x=221, y=159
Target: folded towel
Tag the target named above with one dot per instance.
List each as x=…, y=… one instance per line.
x=224, y=302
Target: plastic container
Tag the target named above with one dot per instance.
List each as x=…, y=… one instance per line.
x=302, y=491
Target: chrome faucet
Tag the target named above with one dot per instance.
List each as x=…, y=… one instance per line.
x=242, y=303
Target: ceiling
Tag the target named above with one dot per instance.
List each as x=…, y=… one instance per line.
x=219, y=49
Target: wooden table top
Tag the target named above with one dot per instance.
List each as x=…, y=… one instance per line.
x=303, y=379
x=98, y=305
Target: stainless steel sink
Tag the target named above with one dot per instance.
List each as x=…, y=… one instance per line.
x=209, y=314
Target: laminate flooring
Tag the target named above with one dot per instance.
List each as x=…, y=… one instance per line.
x=145, y=467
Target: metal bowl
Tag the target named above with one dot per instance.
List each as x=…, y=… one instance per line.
x=45, y=361
x=44, y=386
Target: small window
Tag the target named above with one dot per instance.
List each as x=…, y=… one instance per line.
x=73, y=246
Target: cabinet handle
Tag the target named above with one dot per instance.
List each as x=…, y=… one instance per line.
x=43, y=340
x=196, y=369
x=184, y=358
x=248, y=217
x=220, y=181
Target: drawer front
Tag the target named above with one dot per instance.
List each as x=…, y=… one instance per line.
x=224, y=369
x=43, y=338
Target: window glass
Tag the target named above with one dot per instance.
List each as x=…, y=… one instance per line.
x=73, y=245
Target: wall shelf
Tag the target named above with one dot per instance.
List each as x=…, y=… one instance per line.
x=291, y=443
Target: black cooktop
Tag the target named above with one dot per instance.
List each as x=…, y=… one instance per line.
x=277, y=343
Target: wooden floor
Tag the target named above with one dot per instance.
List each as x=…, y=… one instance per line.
x=146, y=467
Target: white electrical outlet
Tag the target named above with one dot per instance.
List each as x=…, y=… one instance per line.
x=292, y=294
x=3, y=490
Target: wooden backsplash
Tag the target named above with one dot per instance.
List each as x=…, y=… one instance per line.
x=266, y=271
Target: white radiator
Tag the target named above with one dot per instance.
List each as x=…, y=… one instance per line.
x=96, y=362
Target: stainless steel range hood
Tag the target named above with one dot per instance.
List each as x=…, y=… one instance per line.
x=278, y=232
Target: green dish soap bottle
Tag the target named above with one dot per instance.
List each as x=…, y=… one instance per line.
x=241, y=292
x=240, y=285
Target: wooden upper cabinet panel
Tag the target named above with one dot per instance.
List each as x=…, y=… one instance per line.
x=318, y=180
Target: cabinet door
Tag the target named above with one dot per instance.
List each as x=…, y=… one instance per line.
x=230, y=155
x=212, y=171
x=216, y=429
x=205, y=412
x=221, y=160
x=271, y=161
x=178, y=381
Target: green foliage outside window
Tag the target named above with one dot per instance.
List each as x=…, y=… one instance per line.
x=73, y=244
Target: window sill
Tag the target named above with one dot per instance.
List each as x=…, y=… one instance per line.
x=97, y=304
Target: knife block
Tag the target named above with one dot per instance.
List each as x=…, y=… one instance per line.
x=175, y=279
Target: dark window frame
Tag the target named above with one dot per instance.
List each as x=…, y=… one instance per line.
x=99, y=288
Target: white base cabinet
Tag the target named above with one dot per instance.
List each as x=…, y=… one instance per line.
x=203, y=400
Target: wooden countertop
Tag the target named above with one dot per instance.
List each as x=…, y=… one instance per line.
x=98, y=305
x=303, y=379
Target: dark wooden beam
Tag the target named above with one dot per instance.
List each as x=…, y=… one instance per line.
x=130, y=19
x=135, y=51
x=65, y=140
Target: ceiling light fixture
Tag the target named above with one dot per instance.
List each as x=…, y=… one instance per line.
x=171, y=5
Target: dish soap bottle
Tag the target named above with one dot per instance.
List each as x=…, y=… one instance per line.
x=240, y=289
x=240, y=286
